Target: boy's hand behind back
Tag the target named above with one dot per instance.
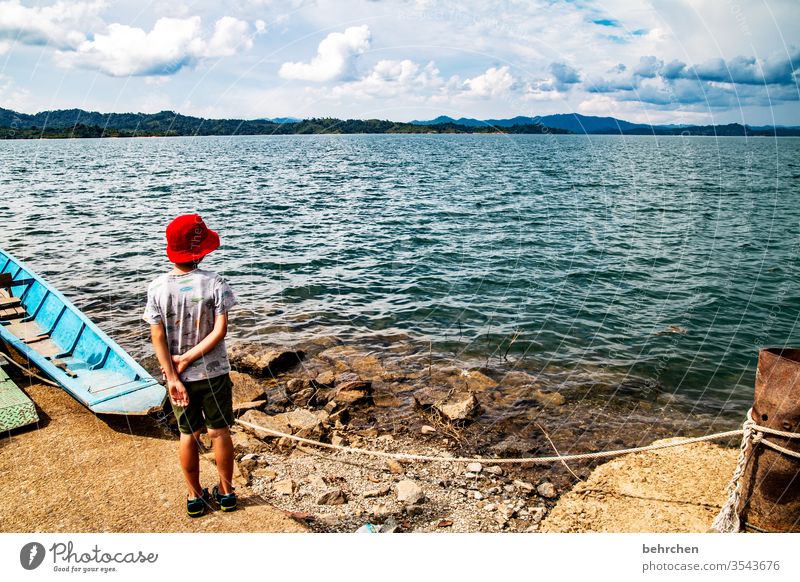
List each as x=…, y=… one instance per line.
x=180, y=363
x=177, y=393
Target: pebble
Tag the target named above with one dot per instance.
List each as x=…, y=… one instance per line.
x=494, y=469
x=547, y=490
x=332, y=497
x=537, y=514
x=474, y=468
x=379, y=492
x=477, y=495
x=317, y=481
x=509, y=488
x=490, y=507
x=409, y=492
x=427, y=429
x=506, y=511
x=285, y=487
x=523, y=485
x=265, y=474
x=395, y=467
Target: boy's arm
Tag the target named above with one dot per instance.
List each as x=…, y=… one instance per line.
x=177, y=391
x=208, y=343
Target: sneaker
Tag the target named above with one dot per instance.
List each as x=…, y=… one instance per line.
x=196, y=506
x=227, y=501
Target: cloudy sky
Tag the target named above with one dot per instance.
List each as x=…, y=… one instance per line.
x=662, y=61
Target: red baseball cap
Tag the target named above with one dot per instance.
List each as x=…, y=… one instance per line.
x=189, y=239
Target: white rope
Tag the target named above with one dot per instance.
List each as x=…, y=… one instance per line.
x=521, y=460
x=728, y=519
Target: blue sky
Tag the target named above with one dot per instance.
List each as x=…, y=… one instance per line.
x=659, y=61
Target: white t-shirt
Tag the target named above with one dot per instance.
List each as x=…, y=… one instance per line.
x=187, y=305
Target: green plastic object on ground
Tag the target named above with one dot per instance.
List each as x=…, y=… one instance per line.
x=16, y=409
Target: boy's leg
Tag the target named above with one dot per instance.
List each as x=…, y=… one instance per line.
x=190, y=462
x=223, y=455
x=218, y=410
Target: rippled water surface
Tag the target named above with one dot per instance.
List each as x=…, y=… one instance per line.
x=669, y=261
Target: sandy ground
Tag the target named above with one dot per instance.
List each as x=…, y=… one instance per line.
x=679, y=489
x=81, y=473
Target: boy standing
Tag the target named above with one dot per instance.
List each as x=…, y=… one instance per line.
x=187, y=310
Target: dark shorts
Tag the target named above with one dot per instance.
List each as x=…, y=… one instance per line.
x=210, y=405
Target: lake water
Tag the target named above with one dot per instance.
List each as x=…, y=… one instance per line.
x=658, y=264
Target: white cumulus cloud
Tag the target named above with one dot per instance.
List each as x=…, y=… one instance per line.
x=172, y=44
x=63, y=24
x=494, y=82
x=334, y=58
x=390, y=78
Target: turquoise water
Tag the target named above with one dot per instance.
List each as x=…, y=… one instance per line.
x=665, y=263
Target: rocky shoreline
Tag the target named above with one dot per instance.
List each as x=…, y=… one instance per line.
x=398, y=398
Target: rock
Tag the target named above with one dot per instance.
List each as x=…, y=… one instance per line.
x=427, y=429
x=506, y=511
x=409, y=492
x=395, y=467
x=263, y=360
x=354, y=392
x=244, y=443
x=246, y=388
x=523, y=485
x=537, y=514
x=340, y=417
x=380, y=511
x=547, y=490
x=301, y=392
x=413, y=509
x=338, y=440
x=301, y=420
x=346, y=358
x=460, y=408
x=264, y=474
x=317, y=481
x=469, y=475
x=332, y=497
x=472, y=380
x=477, y=495
x=474, y=467
x=274, y=422
x=326, y=378
x=378, y=492
x=247, y=464
x=494, y=470
x=549, y=398
x=239, y=408
x=509, y=488
x=285, y=487
x=489, y=507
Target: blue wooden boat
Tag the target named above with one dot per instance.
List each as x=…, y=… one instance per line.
x=43, y=326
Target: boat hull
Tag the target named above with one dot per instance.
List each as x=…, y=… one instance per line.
x=51, y=333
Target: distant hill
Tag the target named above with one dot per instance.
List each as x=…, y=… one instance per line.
x=572, y=122
x=79, y=123
x=589, y=124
